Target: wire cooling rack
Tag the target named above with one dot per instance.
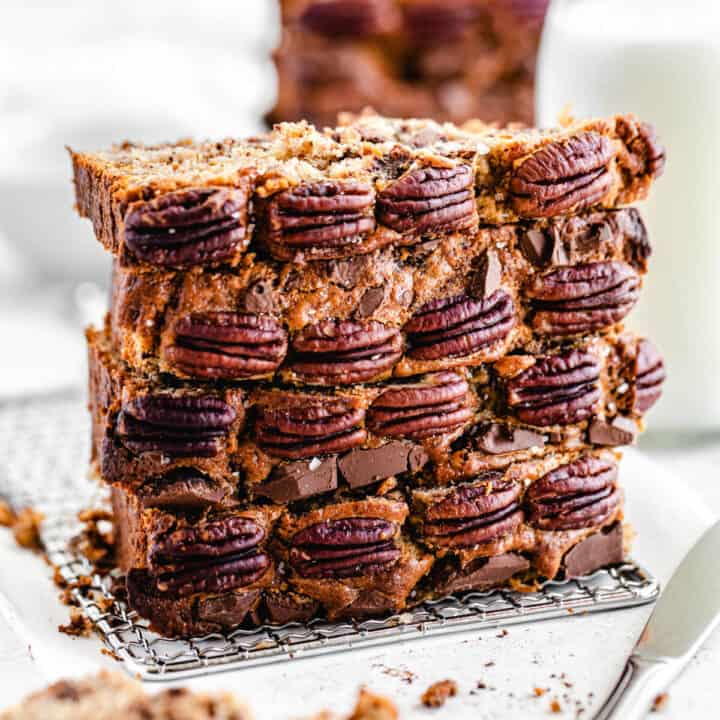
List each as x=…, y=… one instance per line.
x=43, y=451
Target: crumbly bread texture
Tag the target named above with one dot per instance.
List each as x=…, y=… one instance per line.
x=286, y=443
x=301, y=194
x=196, y=571
x=457, y=301
x=109, y=696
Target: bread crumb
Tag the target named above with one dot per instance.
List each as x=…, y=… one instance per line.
x=7, y=514
x=26, y=529
x=539, y=692
x=438, y=693
x=555, y=706
x=373, y=707
x=659, y=702
x=79, y=625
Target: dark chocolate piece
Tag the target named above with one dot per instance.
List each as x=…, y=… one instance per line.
x=619, y=431
x=300, y=479
x=488, y=277
x=498, y=439
x=362, y=467
x=370, y=301
x=182, y=488
x=483, y=573
x=227, y=610
x=600, y=549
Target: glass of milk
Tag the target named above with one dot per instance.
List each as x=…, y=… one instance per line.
x=659, y=59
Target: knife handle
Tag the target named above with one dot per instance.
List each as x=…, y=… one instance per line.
x=641, y=682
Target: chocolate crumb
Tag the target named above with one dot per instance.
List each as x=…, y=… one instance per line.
x=438, y=693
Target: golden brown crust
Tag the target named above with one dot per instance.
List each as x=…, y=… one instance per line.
x=507, y=167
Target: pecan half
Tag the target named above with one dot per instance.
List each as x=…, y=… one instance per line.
x=214, y=576
x=645, y=153
x=430, y=199
x=459, y=326
x=188, y=227
x=344, y=548
x=174, y=424
x=472, y=514
x=581, y=494
x=325, y=220
x=212, y=539
x=438, y=404
x=557, y=389
x=583, y=298
x=227, y=345
x=343, y=353
x=649, y=376
x=308, y=425
x=653, y=151
x=563, y=176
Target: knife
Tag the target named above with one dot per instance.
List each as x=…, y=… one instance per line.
x=686, y=613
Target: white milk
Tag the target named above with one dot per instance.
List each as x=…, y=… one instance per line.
x=660, y=60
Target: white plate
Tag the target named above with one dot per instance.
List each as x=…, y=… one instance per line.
x=589, y=651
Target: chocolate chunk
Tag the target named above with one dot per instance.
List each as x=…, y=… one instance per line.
x=370, y=301
x=260, y=298
x=536, y=246
x=499, y=439
x=283, y=608
x=484, y=573
x=347, y=273
x=300, y=479
x=362, y=467
x=602, y=548
x=185, y=488
x=228, y=610
x=487, y=279
x=620, y=431
x=544, y=247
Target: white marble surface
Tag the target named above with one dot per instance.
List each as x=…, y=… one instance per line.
x=572, y=657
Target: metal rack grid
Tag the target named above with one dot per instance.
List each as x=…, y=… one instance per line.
x=43, y=448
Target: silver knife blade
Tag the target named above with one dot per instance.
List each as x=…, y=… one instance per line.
x=686, y=613
x=689, y=607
